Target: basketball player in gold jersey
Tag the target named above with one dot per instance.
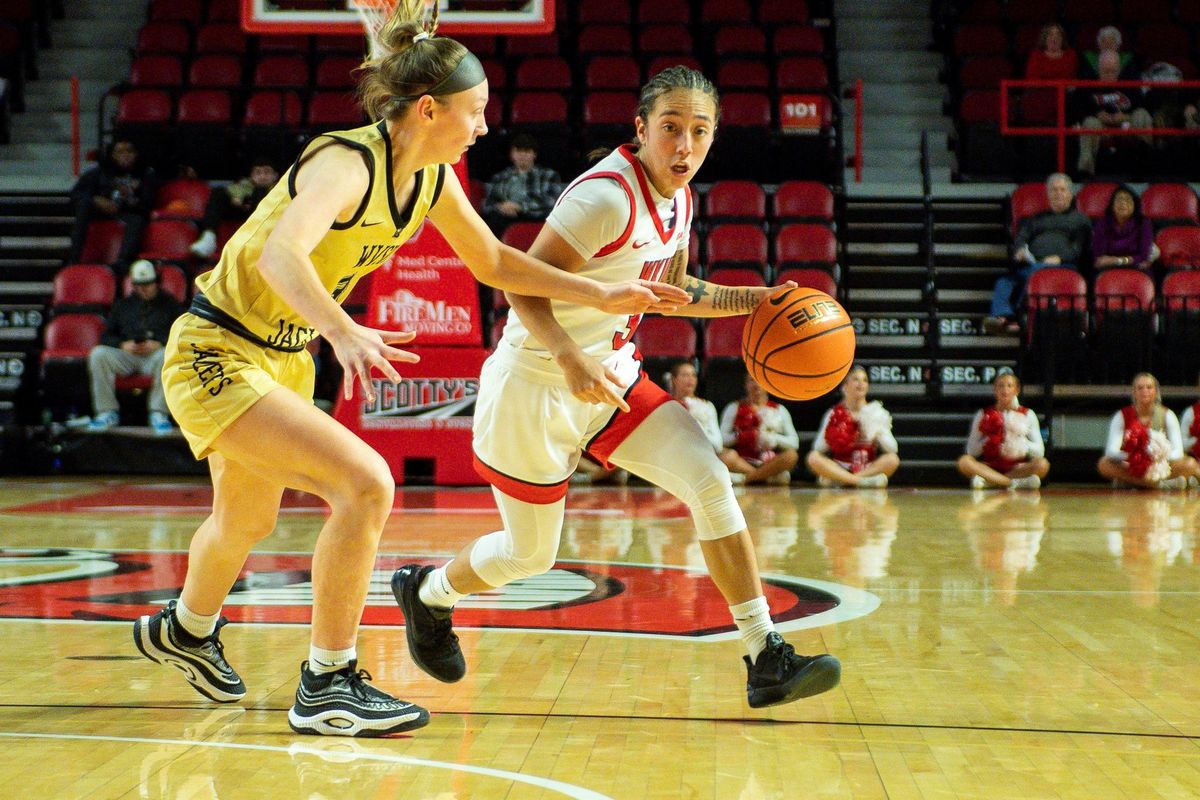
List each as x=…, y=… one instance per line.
x=239, y=381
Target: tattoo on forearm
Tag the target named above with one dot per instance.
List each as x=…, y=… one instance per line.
x=727, y=298
x=697, y=289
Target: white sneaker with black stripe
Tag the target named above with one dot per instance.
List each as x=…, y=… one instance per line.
x=342, y=703
x=163, y=640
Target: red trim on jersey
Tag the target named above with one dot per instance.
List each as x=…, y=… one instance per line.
x=620, y=241
x=664, y=234
x=539, y=493
x=643, y=398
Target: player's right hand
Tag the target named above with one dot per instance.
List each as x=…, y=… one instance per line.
x=359, y=349
x=592, y=382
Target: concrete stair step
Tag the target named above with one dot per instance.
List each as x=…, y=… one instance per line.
x=108, y=31
x=54, y=94
x=111, y=65
x=53, y=127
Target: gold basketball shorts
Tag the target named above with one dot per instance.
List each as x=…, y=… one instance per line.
x=211, y=376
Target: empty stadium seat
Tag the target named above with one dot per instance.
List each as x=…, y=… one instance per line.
x=331, y=111
x=1179, y=247
x=337, y=72
x=782, y=12
x=601, y=40
x=723, y=337
x=748, y=41
x=102, y=244
x=735, y=276
x=817, y=279
x=736, y=245
x=667, y=38
x=1170, y=204
x=281, y=72
x=613, y=72
x=797, y=40
x=804, y=244
x=83, y=288
x=803, y=201
x=164, y=37
x=735, y=200
x=801, y=73
x=71, y=337
x=156, y=71
x=544, y=73
x=1056, y=326
x=979, y=40
x=215, y=71
x=1092, y=198
x=743, y=73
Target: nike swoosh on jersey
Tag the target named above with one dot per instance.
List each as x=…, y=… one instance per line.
x=640, y=245
x=366, y=224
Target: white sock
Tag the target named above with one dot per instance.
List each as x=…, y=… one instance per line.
x=199, y=625
x=321, y=661
x=753, y=619
x=436, y=592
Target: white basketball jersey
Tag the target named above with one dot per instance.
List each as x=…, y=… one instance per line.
x=613, y=216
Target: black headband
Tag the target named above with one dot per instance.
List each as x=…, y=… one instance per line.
x=467, y=74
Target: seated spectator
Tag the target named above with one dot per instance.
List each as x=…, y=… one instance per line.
x=1052, y=59
x=682, y=383
x=762, y=433
x=1145, y=446
x=1189, y=426
x=132, y=344
x=120, y=187
x=1005, y=448
x=1057, y=237
x=233, y=202
x=523, y=191
x=1123, y=237
x=1108, y=38
x=1101, y=108
x=854, y=444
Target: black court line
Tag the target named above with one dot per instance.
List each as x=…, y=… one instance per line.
x=644, y=718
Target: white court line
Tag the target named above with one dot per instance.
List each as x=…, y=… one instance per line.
x=533, y=780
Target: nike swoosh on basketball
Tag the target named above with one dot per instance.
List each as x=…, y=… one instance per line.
x=366, y=224
x=779, y=298
x=640, y=245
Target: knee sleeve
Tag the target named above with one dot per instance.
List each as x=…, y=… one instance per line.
x=669, y=450
x=527, y=546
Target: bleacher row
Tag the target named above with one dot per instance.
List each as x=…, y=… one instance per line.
x=192, y=64
x=986, y=41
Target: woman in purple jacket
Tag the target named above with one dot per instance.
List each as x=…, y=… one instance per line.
x=1123, y=237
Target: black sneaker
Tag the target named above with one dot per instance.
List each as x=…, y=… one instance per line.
x=780, y=676
x=431, y=639
x=342, y=703
x=202, y=661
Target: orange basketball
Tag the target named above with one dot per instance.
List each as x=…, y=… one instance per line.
x=798, y=344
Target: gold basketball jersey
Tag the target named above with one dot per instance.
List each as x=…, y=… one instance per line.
x=234, y=294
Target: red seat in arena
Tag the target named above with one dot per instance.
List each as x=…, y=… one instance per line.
x=538, y=107
x=735, y=200
x=666, y=337
x=667, y=38
x=803, y=200
x=665, y=11
x=609, y=12
x=156, y=71
x=337, y=72
x=740, y=40
x=782, y=12
x=544, y=73
x=330, y=110
x=806, y=244
x=164, y=37
x=737, y=244
x=723, y=337
x=984, y=72
x=102, y=244
x=221, y=37
x=817, y=279
x=797, y=40
x=1027, y=200
x=1092, y=198
x=281, y=72
x=71, y=336
x=144, y=107
x=205, y=107
x=1181, y=292
x=269, y=108
x=1170, y=203
x=742, y=73
x=613, y=72
x=520, y=235
x=980, y=40
x=1060, y=289
x=168, y=240
x=736, y=276
x=181, y=198
x=83, y=287
x=219, y=71
x=601, y=39
x=1123, y=290
x=797, y=73
x=1179, y=247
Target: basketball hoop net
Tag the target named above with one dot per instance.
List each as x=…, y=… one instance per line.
x=374, y=13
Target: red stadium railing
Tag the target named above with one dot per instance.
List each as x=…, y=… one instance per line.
x=1061, y=130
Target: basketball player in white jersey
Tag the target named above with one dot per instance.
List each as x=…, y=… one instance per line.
x=547, y=394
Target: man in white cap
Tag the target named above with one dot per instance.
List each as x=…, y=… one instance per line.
x=132, y=344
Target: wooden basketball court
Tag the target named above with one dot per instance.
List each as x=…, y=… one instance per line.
x=994, y=645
